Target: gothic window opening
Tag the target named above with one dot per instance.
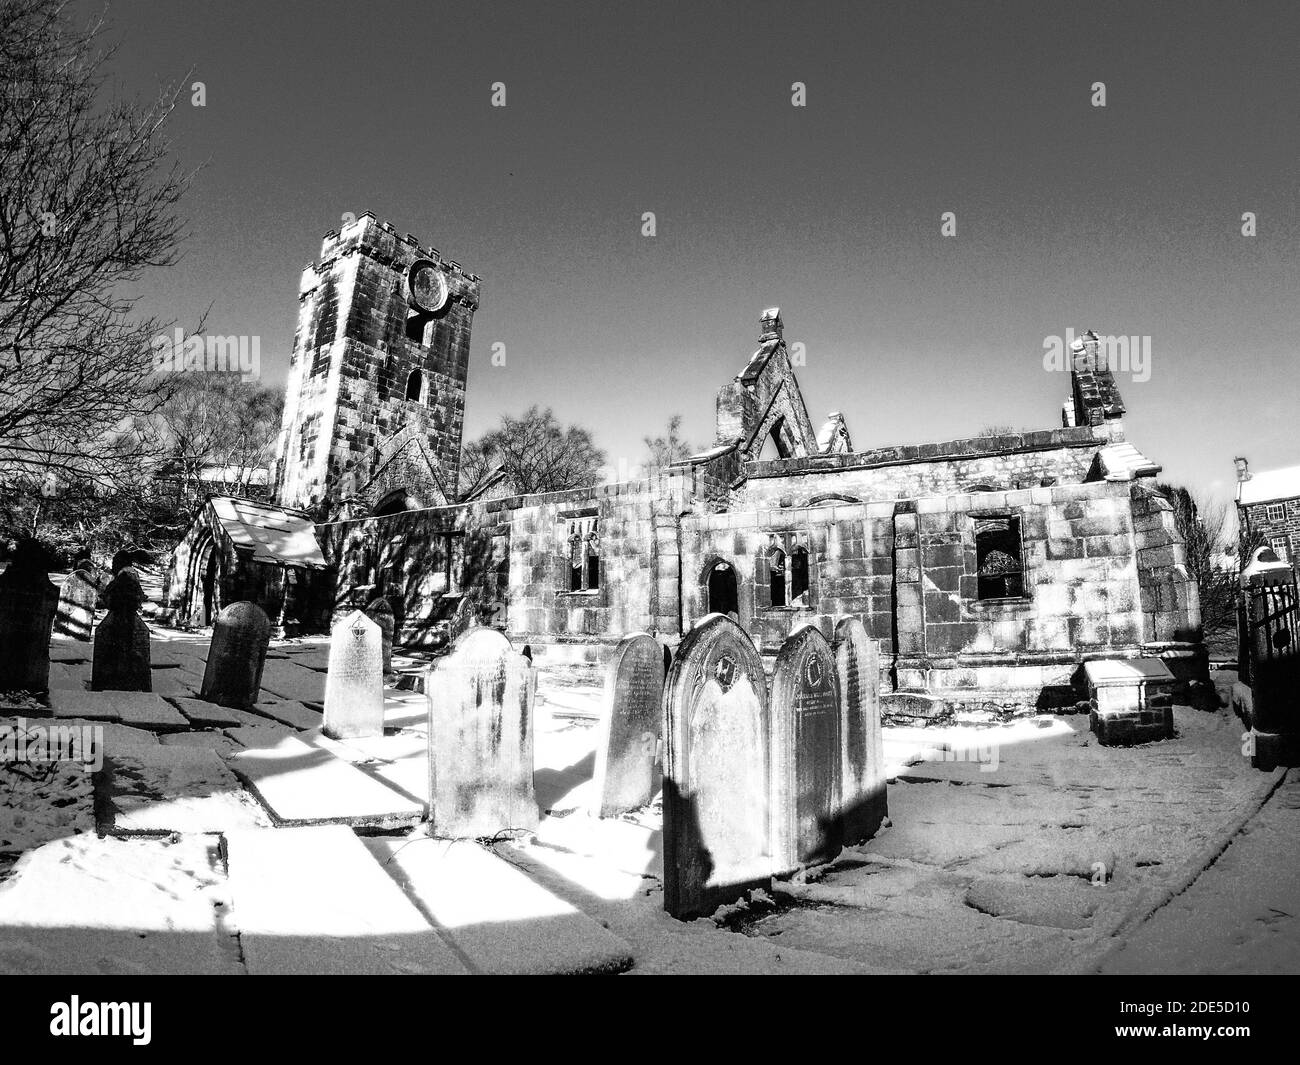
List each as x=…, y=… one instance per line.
x=415, y=385
x=998, y=556
x=582, y=553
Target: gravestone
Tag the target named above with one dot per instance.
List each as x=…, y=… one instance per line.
x=236, y=656
x=354, y=684
x=28, y=601
x=76, y=613
x=121, y=660
x=380, y=611
x=481, y=738
x=807, y=754
x=864, y=803
x=627, y=744
x=717, y=739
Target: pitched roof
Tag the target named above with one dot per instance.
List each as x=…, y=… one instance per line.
x=1269, y=485
x=284, y=537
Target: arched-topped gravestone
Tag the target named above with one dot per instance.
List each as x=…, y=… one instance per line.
x=717, y=739
x=354, y=683
x=236, y=656
x=481, y=738
x=806, y=752
x=76, y=613
x=380, y=611
x=627, y=742
x=28, y=601
x=121, y=658
x=864, y=804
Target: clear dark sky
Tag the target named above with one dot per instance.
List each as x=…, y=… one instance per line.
x=1125, y=219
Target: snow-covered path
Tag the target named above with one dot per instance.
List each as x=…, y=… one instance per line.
x=1242, y=915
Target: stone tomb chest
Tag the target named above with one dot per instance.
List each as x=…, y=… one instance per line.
x=1132, y=700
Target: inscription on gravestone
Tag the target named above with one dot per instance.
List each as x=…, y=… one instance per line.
x=354, y=684
x=864, y=805
x=717, y=825
x=236, y=656
x=627, y=744
x=481, y=738
x=806, y=755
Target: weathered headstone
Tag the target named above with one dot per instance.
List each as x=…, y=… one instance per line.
x=76, y=614
x=627, y=742
x=380, y=611
x=236, y=656
x=121, y=660
x=481, y=738
x=28, y=601
x=864, y=803
x=717, y=739
x=354, y=685
x=807, y=756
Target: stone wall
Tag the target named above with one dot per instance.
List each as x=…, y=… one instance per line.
x=908, y=569
x=510, y=555
x=1017, y=460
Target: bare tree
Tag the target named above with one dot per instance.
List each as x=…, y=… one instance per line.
x=670, y=447
x=216, y=431
x=1206, y=527
x=87, y=203
x=535, y=453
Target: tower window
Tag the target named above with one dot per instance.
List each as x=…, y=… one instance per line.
x=415, y=385
x=998, y=558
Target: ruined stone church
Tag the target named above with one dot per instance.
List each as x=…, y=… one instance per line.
x=989, y=568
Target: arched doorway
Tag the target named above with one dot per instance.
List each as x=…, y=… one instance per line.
x=721, y=589
x=208, y=587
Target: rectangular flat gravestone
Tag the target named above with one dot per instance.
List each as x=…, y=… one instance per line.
x=314, y=901
x=503, y=922
x=806, y=752
x=141, y=709
x=864, y=805
x=718, y=734
x=627, y=744
x=354, y=686
x=481, y=738
x=303, y=784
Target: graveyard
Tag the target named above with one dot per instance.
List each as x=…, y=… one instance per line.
x=773, y=516
x=281, y=806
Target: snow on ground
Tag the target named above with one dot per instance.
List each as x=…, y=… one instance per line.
x=1018, y=847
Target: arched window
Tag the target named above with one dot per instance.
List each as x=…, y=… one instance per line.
x=721, y=589
x=415, y=385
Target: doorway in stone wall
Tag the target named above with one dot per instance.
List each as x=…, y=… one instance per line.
x=721, y=587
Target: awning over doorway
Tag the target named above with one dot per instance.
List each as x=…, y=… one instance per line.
x=275, y=535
